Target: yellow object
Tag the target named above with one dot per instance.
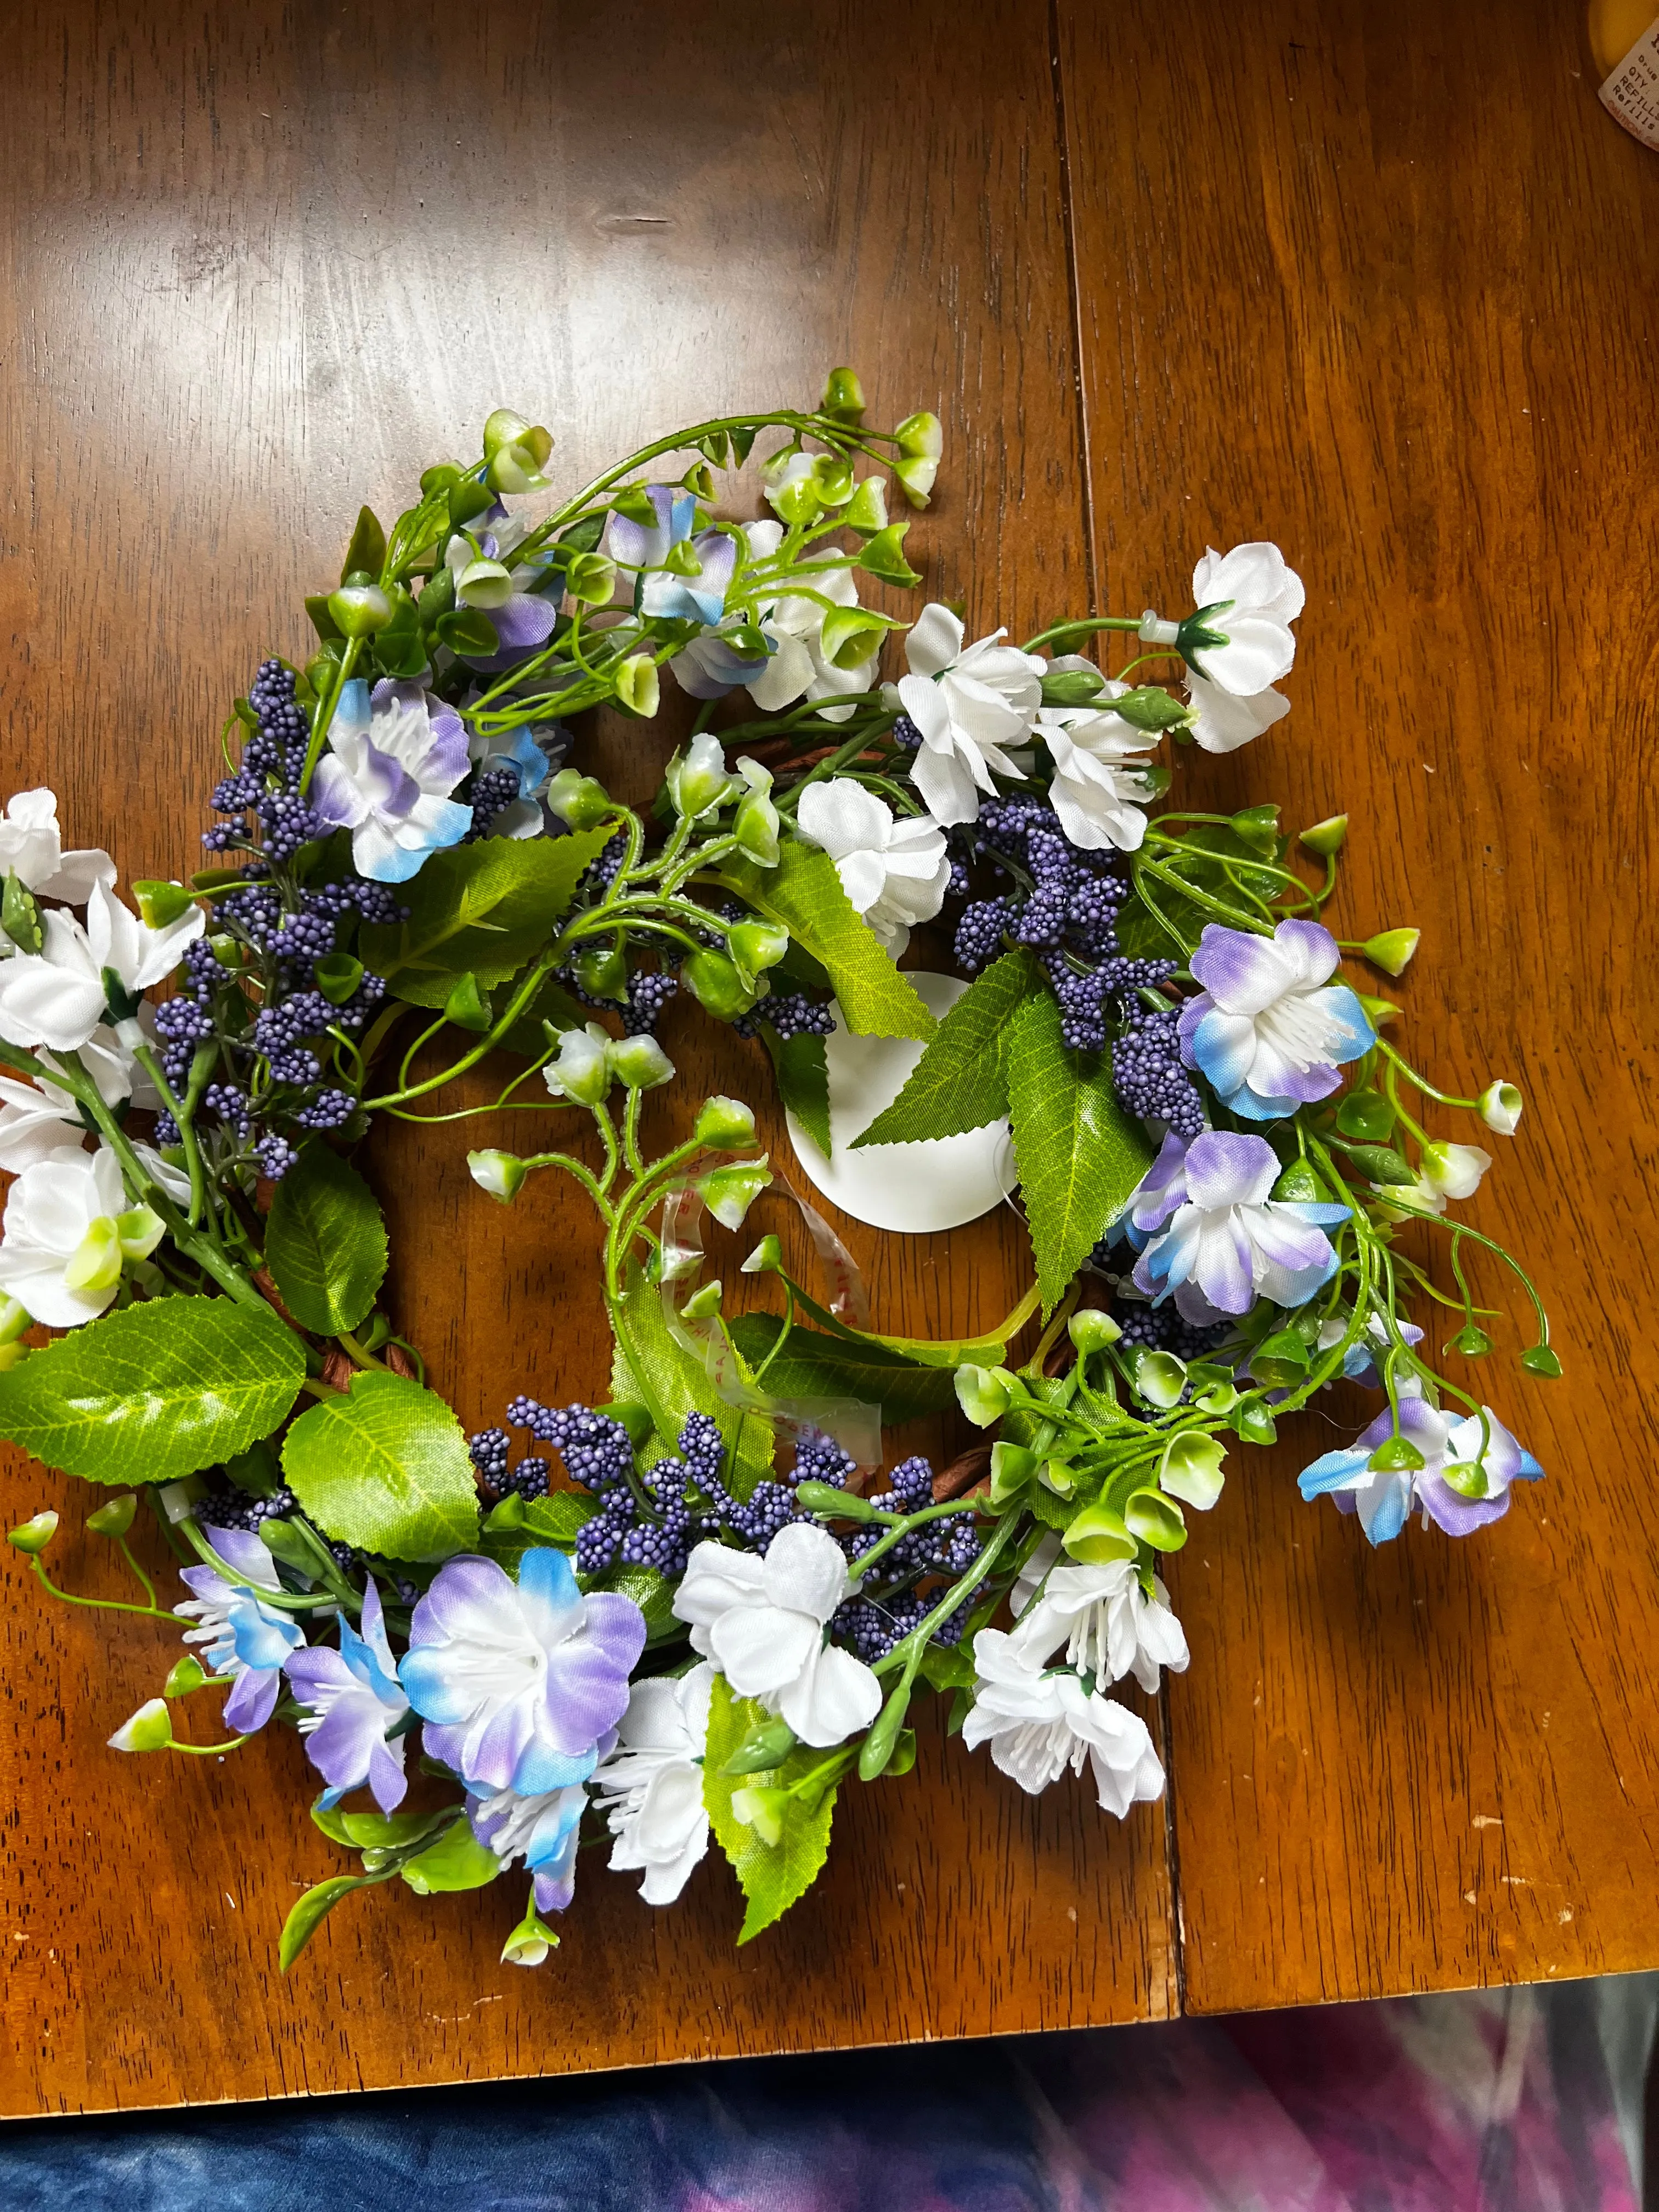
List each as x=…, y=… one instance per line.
x=1615, y=28
x=1624, y=36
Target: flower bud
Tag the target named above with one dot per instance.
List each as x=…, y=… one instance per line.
x=1097, y=1535
x=840, y=1504
x=729, y=1192
x=1500, y=1108
x=1258, y=828
x=530, y=1942
x=1326, y=838
x=639, y=689
x=1158, y=1377
x=504, y=427
x=591, y=579
x=601, y=971
x=755, y=822
x=32, y=1536
x=1012, y=1467
x=754, y=946
x=766, y=1259
x=766, y=1748
x=1395, y=1455
x=697, y=780
x=877, y=1747
x=716, y=984
x=1377, y=1011
x=359, y=609
x=1256, y=1424
x=1191, y=1470
x=578, y=800
x=1298, y=1182
x=866, y=511
x=724, y=1125
x=114, y=1519
x=580, y=1071
x=12, y=1355
x=1472, y=1340
x=1391, y=949
x=186, y=1674
x=639, y=1063
x=150, y=1729
x=15, y=1318
x=704, y=1304
x=763, y=1810
x=1539, y=1359
x=138, y=1231
x=1091, y=1331
x=20, y=917
x=916, y=479
x=501, y=1174
x=95, y=1264
x=1454, y=1170
x=921, y=435
x=843, y=396
x=483, y=584
x=983, y=1393
x=518, y=467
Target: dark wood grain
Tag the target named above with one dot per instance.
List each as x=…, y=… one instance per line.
x=1382, y=284
x=259, y=264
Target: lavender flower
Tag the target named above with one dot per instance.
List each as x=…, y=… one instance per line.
x=244, y=1641
x=353, y=1697
x=394, y=756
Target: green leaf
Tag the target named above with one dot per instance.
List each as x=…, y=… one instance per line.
x=949, y=1666
x=803, y=893
x=961, y=1081
x=367, y=551
x=814, y=1366
x=384, y=1466
x=802, y=1069
x=312, y=1910
x=772, y=1878
x=456, y=1861
x=155, y=1392
x=1079, y=1155
x=484, y=909
x=656, y=1370
x=325, y=1241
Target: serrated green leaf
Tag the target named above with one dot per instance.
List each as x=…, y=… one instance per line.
x=802, y=1068
x=484, y=909
x=811, y=1365
x=384, y=1466
x=325, y=1241
x=960, y=1082
x=772, y=1878
x=1079, y=1155
x=457, y=1861
x=659, y=1373
x=155, y=1392
x=803, y=893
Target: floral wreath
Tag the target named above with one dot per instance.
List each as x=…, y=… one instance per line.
x=644, y=1628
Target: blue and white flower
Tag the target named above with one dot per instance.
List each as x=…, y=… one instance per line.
x=243, y=1641
x=542, y=1829
x=1270, y=1031
x=354, y=1701
x=1359, y=1360
x=523, y=616
x=1458, y=1486
x=394, y=755
x=642, y=548
x=650, y=1788
x=1039, y=1722
x=1226, y=1242
x=518, y=1682
x=970, y=703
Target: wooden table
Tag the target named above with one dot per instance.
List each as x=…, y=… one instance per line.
x=1379, y=283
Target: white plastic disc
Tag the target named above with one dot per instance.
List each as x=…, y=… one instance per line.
x=914, y=1189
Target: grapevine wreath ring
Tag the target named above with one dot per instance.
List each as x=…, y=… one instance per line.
x=702, y=1610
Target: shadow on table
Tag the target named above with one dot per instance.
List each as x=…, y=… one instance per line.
x=1518, y=2100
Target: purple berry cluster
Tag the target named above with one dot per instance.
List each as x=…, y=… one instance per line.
x=1164, y=1329
x=1148, y=1076
x=786, y=1014
x=235, y=1509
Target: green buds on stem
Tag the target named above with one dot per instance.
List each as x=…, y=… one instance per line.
x=1391, y=949
x=150, y=1729
x=114, y=1519
x=1091, y=1331
x=724, y=1125
x=501, y=1175
x=577, y=800
x=984, y=1394
x=1325, y=838
x=32, y=1536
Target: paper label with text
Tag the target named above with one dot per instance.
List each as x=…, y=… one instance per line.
x=1630, y=95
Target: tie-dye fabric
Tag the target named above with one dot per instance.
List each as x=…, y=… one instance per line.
x=1524, y=2100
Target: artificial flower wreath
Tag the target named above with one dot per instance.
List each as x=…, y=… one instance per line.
x=704, y=1606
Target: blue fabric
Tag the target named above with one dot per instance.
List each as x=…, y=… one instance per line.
x=1521, y=2100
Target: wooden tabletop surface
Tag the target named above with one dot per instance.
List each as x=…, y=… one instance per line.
x=1379, y=282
